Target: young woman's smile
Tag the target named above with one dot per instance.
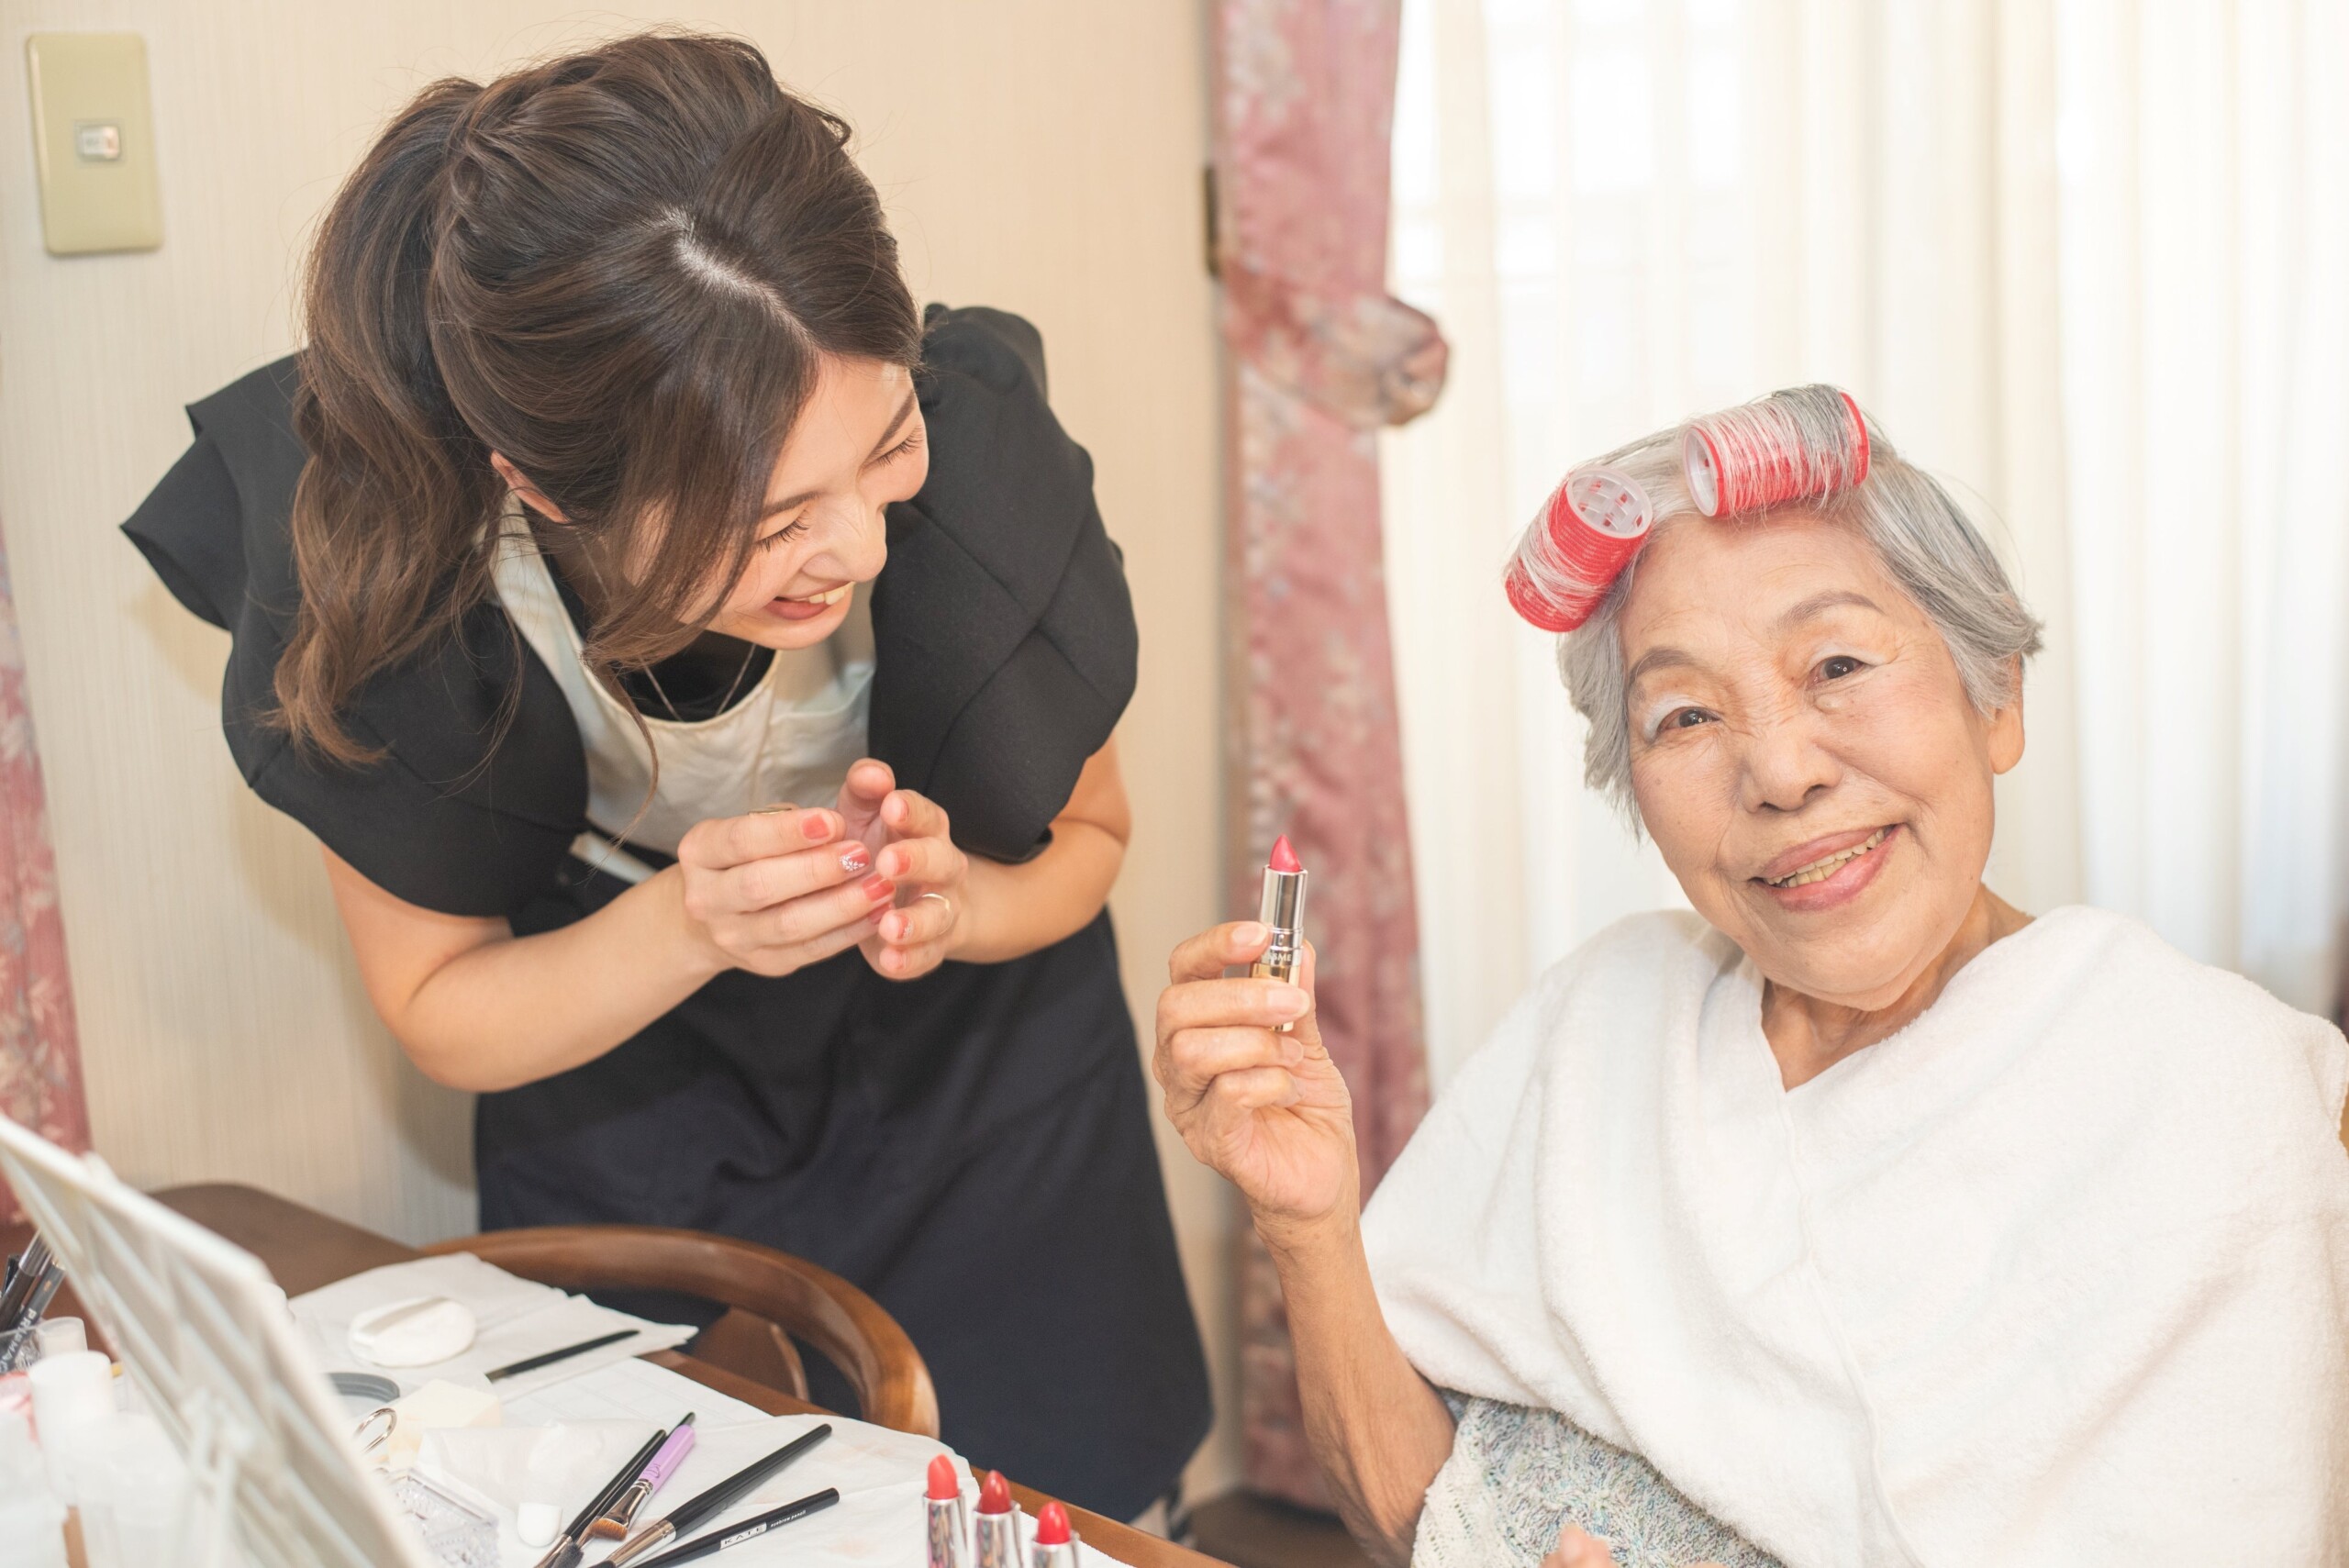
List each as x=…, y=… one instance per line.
x=808, y=608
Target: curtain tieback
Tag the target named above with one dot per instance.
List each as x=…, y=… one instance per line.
x=1364, y=357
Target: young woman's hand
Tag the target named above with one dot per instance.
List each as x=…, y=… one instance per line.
x=1268, y=1111
x=913, y=847
x=780, y=889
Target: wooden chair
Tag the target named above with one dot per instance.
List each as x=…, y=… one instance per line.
x=771, y=1299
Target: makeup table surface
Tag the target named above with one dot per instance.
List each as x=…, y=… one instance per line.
x=306, y=1250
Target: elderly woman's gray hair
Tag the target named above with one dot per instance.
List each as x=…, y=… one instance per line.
x=1926, y=542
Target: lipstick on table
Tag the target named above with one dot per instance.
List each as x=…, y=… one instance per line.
x=1055, y=1541
x=998, y=1532
x=944, y=1504
x=1283, y=912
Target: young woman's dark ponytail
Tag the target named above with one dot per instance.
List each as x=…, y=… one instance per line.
x=619, y=270
x=386, y=445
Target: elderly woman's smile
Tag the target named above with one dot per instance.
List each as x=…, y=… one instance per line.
x=1806, y=756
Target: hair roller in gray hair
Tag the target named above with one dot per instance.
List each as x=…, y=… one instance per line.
x=1575, y=549
x=1804, y=444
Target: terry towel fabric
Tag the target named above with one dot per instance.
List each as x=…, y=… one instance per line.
x=2057, y=1274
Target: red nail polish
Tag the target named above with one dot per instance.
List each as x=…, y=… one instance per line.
x=817, y=825
x=879, y=887
x=855, y=859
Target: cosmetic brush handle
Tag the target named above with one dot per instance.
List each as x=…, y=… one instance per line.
x=43, y=1294
x=28, y=1272
x=673, y=1455
x=566, y=1551
x=727, y=1492
x=617, y=1519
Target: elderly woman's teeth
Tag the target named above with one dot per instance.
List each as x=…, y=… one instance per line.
x=1819, y=870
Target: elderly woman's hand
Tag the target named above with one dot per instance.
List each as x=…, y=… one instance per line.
x=1267, y=1110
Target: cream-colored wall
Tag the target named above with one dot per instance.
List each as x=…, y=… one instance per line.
x=1039, y=155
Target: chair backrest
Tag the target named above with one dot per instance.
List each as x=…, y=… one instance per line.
x=795, y=1298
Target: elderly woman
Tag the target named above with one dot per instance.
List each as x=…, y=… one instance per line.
x=1856, y=1217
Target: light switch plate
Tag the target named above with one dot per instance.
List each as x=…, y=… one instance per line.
x=94, y=141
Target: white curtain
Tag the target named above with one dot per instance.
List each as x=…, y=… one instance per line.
x=2086, y=259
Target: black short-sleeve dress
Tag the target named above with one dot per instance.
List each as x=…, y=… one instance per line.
x=973, y=1148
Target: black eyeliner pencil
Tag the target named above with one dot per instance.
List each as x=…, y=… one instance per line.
x=723, y=1495
x=749, y=1529
x=551, y=1357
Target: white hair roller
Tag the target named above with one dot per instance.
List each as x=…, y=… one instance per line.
x=1804, y=444
x=1576, y=546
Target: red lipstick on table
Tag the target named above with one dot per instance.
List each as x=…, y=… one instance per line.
x=1055, y=1541
x=998, y=1525
x=1282, y=913
x=944, y=1502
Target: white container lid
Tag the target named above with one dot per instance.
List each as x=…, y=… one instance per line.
x=72, y=1390
x=62, y=1336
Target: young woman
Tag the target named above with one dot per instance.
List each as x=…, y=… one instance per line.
x=699, y=672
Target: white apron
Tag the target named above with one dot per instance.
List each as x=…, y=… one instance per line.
x=791, y=741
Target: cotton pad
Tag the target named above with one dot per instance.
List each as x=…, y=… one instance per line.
x=422, y=1331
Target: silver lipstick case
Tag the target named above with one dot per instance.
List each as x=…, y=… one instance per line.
x=1282, y=911
x=946, y=1532
x=996, y=1538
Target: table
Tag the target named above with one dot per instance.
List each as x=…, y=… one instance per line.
x=305, y=1250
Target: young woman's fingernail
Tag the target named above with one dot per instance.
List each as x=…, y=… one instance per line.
x=855, y=859
x=892, y=863
x=817, y=825
x=896, y=929
x=879, y=887
x=1248, y=934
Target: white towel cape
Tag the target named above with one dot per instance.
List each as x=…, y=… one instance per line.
x=2057, y=1274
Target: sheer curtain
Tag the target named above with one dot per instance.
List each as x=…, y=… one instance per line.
x=2084, y=258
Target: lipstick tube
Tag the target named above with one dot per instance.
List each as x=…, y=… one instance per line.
x=947, y=1529
x=1056, y=1545
x=999, y=1540
x=1282, y=911
x=996, y=1532
x=945, y=1534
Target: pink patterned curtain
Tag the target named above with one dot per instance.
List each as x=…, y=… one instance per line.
x=1319, y=357
x=41, y=1065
